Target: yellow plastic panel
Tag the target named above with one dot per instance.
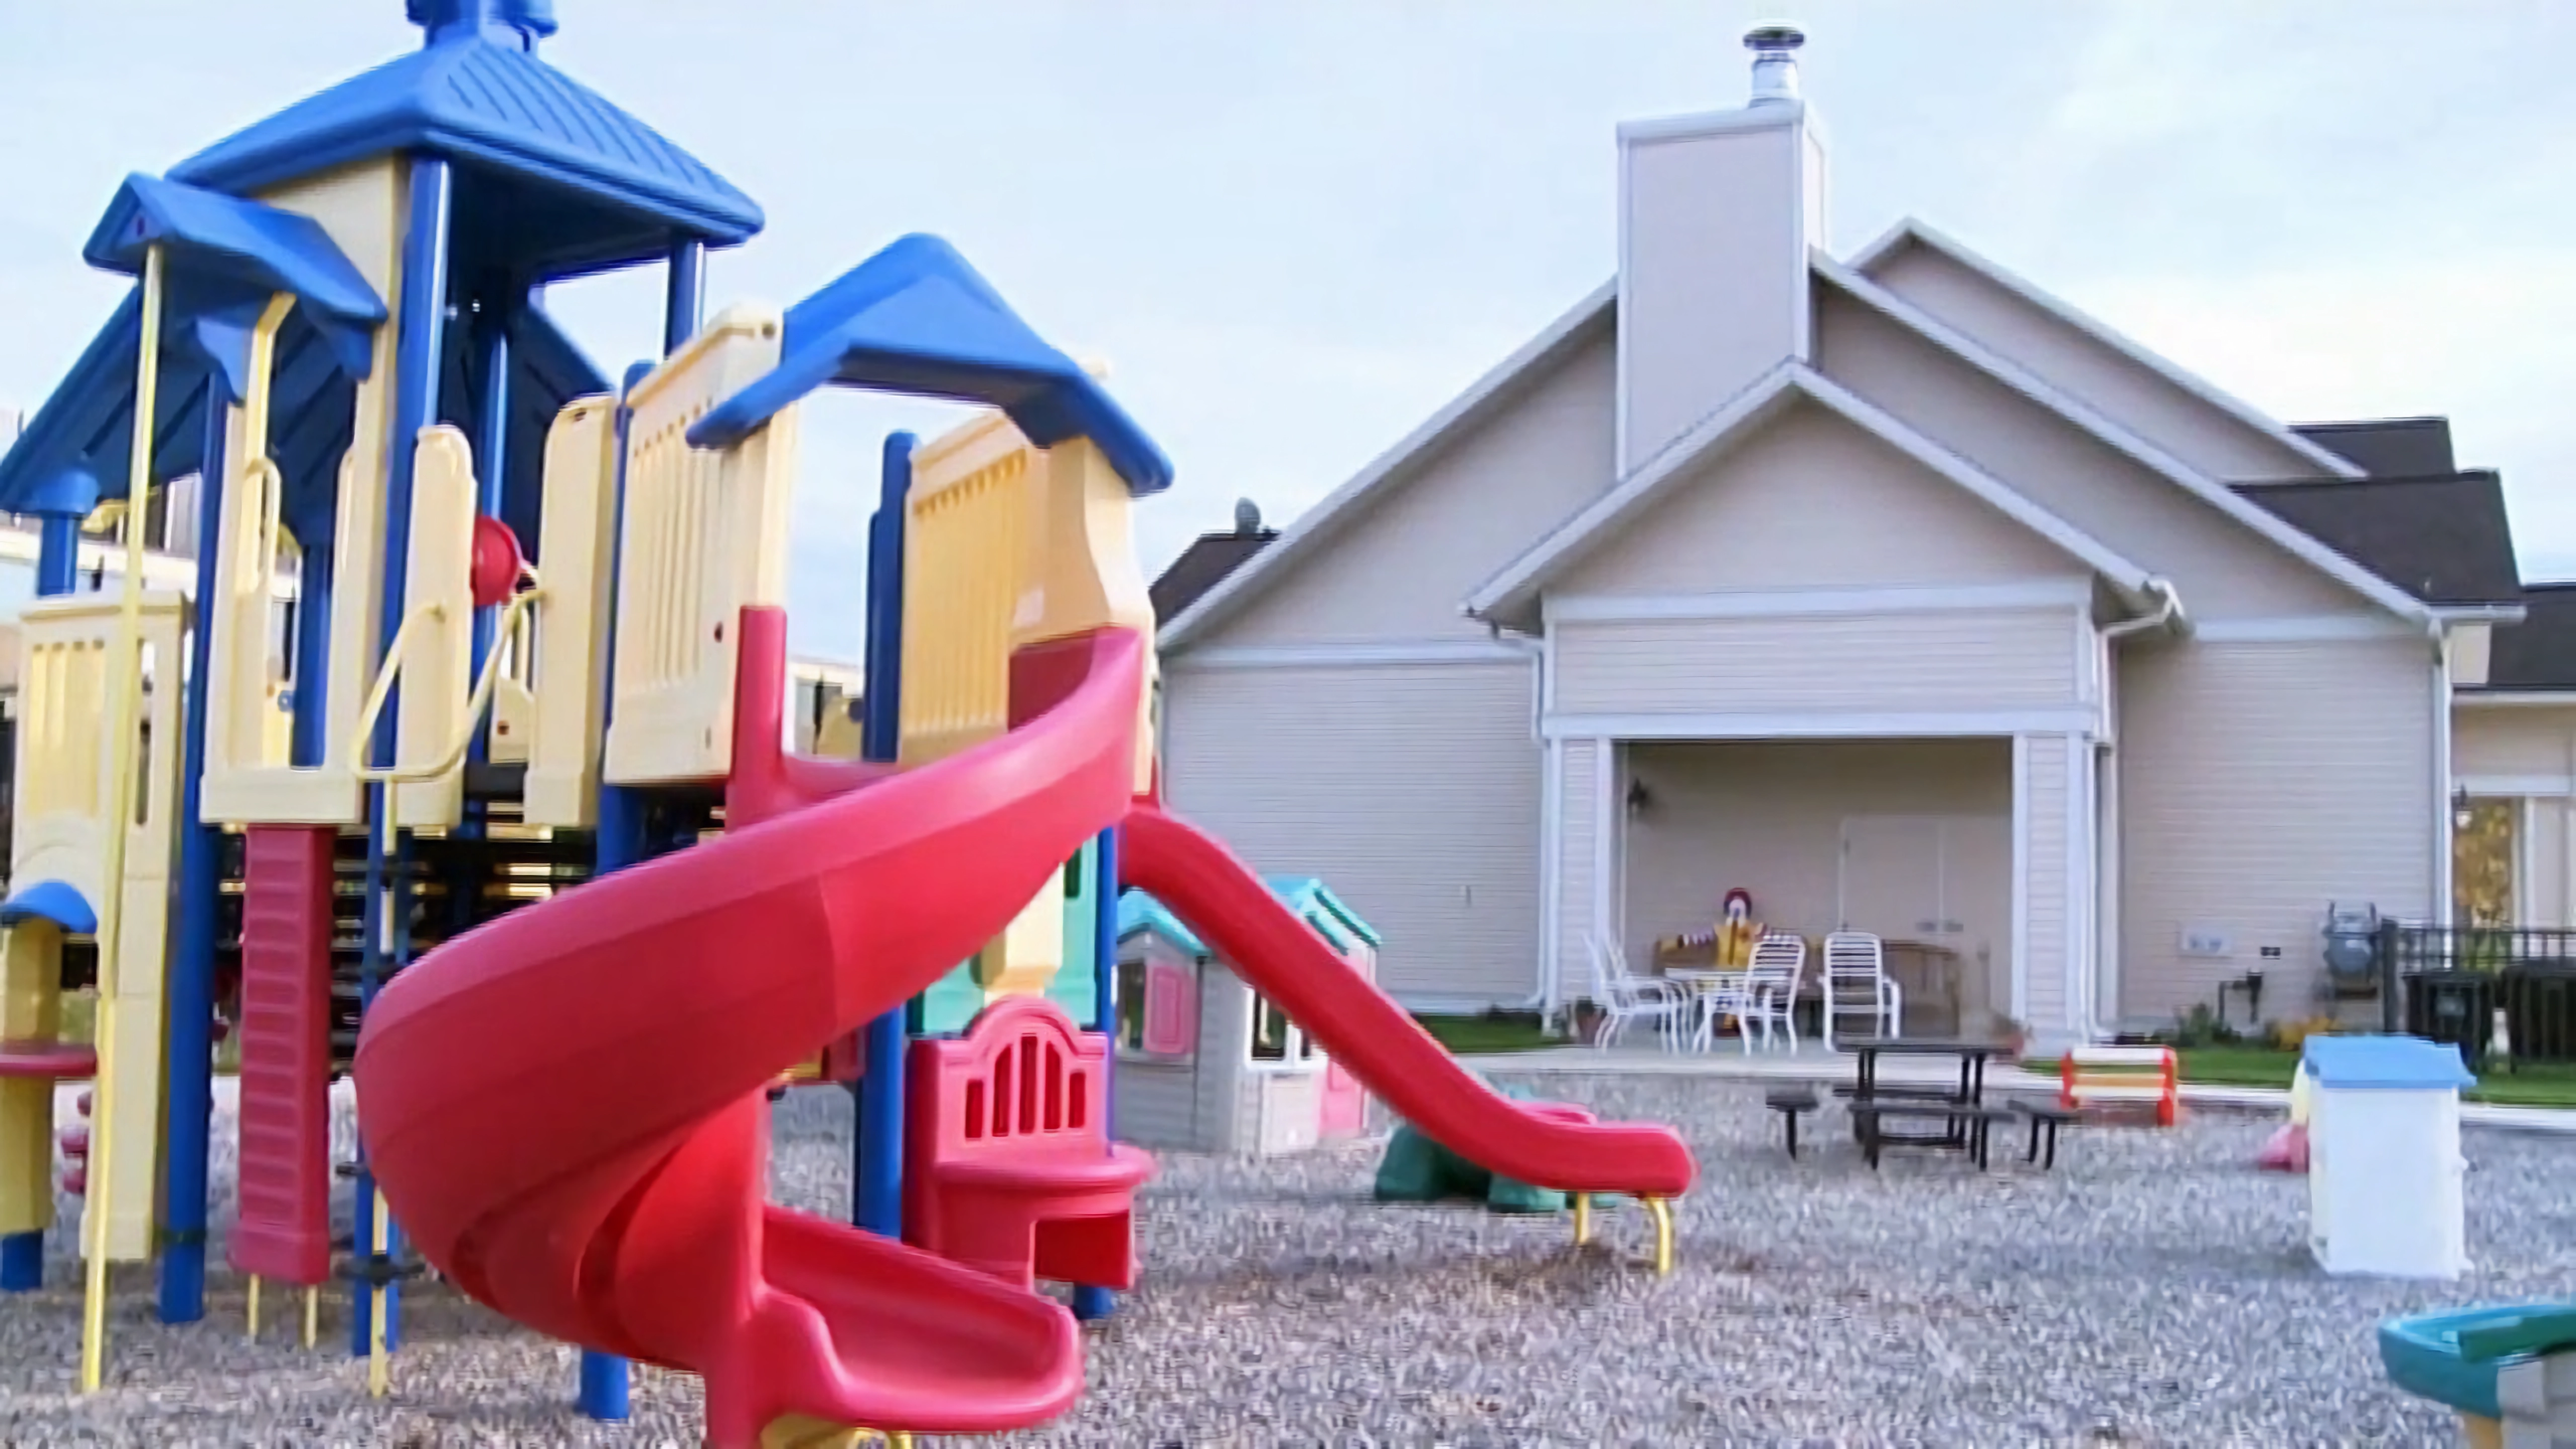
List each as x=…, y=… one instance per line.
x=364, y=209
x=703, y=534
x=63, y=762
x=570, y=696
x=965, y=545
x=437, y=666
x=1082, y=573
x=31, y=969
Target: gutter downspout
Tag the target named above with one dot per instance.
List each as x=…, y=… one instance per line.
x=2443, y=822
x=2106, y=946
x=1544, y=999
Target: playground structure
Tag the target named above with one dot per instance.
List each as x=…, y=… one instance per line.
x=500, y=819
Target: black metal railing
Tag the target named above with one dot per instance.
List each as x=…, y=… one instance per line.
x=2450, y=983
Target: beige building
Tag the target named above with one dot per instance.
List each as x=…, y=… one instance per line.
x=1891, y=589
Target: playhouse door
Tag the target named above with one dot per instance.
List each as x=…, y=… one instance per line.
x=1345, y=1104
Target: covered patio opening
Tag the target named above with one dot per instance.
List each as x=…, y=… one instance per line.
x=1909, y=839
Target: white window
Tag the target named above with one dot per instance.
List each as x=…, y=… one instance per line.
x=1277, y=1042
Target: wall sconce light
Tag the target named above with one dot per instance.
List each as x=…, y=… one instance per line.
x=1639, y=797
x=2461, y=816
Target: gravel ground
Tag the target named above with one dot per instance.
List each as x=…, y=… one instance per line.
x=2153, y=1290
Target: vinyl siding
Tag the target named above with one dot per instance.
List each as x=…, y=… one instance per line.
x=1812, y=501
x=2040, y=803
x=1413, y=790
x=1578, y=870
x=1426, y=541
x=2259, y=782
x=2135, y=397
x=2545, y=860
x=2514, y=742
x=2223, y=569
x=1952, y=659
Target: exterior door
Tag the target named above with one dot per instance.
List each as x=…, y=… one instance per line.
x=1938, y=880
x=1345, y=1109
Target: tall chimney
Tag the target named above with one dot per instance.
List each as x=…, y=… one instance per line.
x=1717, y=212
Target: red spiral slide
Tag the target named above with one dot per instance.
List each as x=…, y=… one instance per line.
x=1282, y=957
x=565, y=1108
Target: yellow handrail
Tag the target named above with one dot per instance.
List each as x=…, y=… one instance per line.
x=514, y=616
x=125, y=679
x=261, y=566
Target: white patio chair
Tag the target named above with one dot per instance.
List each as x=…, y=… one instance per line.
x=1856, y=984
x=1624, y=997
x=1767, y=997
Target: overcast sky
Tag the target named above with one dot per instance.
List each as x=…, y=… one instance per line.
x=1296, y=229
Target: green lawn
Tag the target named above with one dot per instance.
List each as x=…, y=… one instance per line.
x=1469, y=1036
x=2533, y=1085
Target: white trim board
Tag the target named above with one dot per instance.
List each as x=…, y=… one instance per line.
x=1787, y=384
x=1558, y=338
x=2074, y=720
x=1921, y=233
x=2513, y=699
x=2302, y=629
x=2020, y=931
x=1391, y=653
x=2265, y=524
x=2506, y=787
x=1819, y=603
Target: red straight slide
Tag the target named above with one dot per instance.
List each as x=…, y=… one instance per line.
x=565, y=1107
x=1279, y=955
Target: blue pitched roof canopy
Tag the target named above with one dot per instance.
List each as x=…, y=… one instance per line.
x=592, y=185
x=226, y=258
x=1311, y=898
x=915, y=318
x=78, y=442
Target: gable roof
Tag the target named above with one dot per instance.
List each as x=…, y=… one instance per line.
x=1782, y=387
x=2296, y=541
x=1911, y=232
x=2443, y=538
x=1201, y=567
x=2388, y=447
x=2538, y=654
x=1555, y=343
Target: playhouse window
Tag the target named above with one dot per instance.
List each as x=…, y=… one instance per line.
x=1155, y=1007
x=1277, y=1041
x=1128, y=992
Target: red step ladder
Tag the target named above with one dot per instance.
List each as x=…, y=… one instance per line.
x=285, y=1229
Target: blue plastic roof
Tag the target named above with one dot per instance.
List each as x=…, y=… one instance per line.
x=1305, y=895
x=226, y=258
x=2389, y=1063
x=916, y=318
x=86, y=427
x=478, y=94
x=51, y=900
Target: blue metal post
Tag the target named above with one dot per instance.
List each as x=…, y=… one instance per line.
x=492, y=450
x=57, y=555
x=1091, y=1301
x=876, y=1189
x=190, y=1101
x=22, y=1255
x=419, y=351
x=620, y=840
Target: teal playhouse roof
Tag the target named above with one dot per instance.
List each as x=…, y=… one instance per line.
x=1304, y=894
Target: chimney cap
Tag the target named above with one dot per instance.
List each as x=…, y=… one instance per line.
x=1775, y=63
x=1247, y=516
